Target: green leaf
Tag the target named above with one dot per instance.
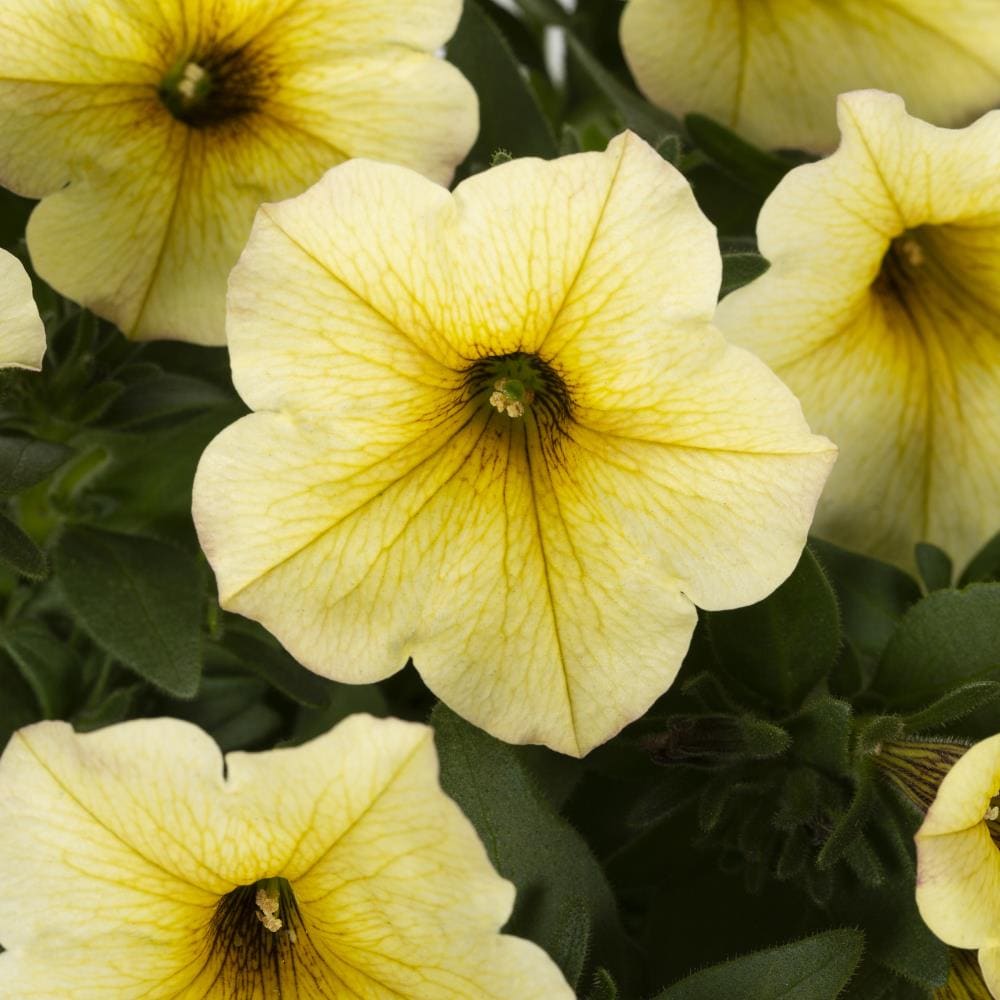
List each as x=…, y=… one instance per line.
x=255, y=650
x=573, y=946
x=739, y=269
x=951, y=637
x=651, y=123
x=233, y=709
x=873, y=595
x=139, y=599
x=897, y=938
x=934, y=565
x=751, y=166
x=551, y=865
x=816, y=968
x=17, y=706
x=347, y=699
x=952, y=705
x=46, y=664
x=604, y=986
x=18, y=551
x=984, y=565
x=162, y=395
x=510, y=115
x=783, y=645
x=821, y=735
x=25, y=461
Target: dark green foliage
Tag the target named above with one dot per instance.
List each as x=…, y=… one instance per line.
x=554, y=871
x=816, y=968
x=139, y=599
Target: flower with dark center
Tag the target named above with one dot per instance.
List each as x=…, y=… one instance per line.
x=958, y=858
x=139, y=865
x=881, y=310
x=497, y=433
x=153, y=131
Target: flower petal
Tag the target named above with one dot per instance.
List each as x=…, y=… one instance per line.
x=22, y=336
x=772, y=73
x=958, y=878
x=904, y=378
x=989, y=963
x=97, y=858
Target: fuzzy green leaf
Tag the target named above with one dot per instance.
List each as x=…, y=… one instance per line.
x=739, y=269
x=19, y=551
x=816, y=968
x=783, y=645
x=951, y=637
x=548, y=861
x=139, y=599
x=25, y=461
x=873, y=595
x=934, y=565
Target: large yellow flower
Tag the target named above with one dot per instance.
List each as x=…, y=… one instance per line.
x=499, y=435
x=881, y=310
x=136, y=863
x=771, y=70
x=156, y=127
x=958, y=858
x=22, y=336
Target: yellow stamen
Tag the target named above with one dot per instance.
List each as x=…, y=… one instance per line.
x=267, y=908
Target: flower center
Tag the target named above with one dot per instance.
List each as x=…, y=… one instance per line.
x=521, y=386
x=257, y=940
x=213, y=87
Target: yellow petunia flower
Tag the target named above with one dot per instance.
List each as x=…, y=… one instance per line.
x=154, y=129
x=771, y=70
x=136, y=863
x=498, y=434
x=22, y=336
x=958, y=858
x=881, y=310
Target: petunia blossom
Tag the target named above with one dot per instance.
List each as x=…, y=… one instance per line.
x=153, y=130
x=22, y=336
x=137, y=864
x=958, y=858
x=881, y=310
x=772, y=71
x=497, y=434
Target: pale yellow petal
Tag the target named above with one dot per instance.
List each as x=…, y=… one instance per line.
x=902, y=372
x=958, y=886
x=116, y=847
x=171, y=202
x=989, y=963
x=383, y=513
x=388, y=104
x=958, y=878
x=22, y=336
x=772, y=71
x=98, y=859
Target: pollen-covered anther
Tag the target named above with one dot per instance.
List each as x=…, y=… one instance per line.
x=992, y=814
x=511, y=396
x=911, y=251
x=268, y=902
x=193, y=83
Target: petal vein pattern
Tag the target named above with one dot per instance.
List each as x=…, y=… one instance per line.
x=447, y=462
x=118, y=885
x=164, y=126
